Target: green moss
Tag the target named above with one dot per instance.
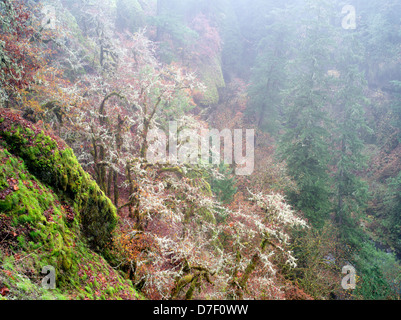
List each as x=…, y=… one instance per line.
x=6, y=205
x=60, y=170
x=45, y=177
x=207, y=215
x=21, y=241
x=212, y=77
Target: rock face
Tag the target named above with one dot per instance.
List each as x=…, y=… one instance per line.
x=52, y=213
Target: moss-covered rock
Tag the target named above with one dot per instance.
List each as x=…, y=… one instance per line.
x=211, y=74
x=52, y=213
x=54, y=164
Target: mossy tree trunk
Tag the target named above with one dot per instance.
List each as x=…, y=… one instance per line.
x=193, y=280
x=241, y=283
x=146, y=125
x=103, y=179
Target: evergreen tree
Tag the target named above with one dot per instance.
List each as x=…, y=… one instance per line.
x=268, y=75
x=129, y=16
x=349, y=127
x=304, y=146
x=224, y=188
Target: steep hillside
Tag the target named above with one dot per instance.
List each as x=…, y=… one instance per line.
x=113, y=172
x=51, y=214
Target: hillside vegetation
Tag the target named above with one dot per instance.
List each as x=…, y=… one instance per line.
x=105, y=110
x=52, y=214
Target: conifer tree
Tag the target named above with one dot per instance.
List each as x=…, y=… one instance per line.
x=268, y=75
x=304, y=146
x=349, y=127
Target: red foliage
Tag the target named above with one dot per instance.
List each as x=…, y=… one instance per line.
x=11, y=121
x=294, y=293
x=386, y=164
x=4, y=291
x=209, y=42
x=20, y=51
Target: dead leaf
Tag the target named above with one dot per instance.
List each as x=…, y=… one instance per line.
x=4, y=291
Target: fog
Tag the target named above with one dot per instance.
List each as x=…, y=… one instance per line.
x=226, y=149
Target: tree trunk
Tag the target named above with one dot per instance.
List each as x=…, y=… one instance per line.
x=249, y=269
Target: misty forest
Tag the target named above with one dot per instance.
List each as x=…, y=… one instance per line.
x=200, y=150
